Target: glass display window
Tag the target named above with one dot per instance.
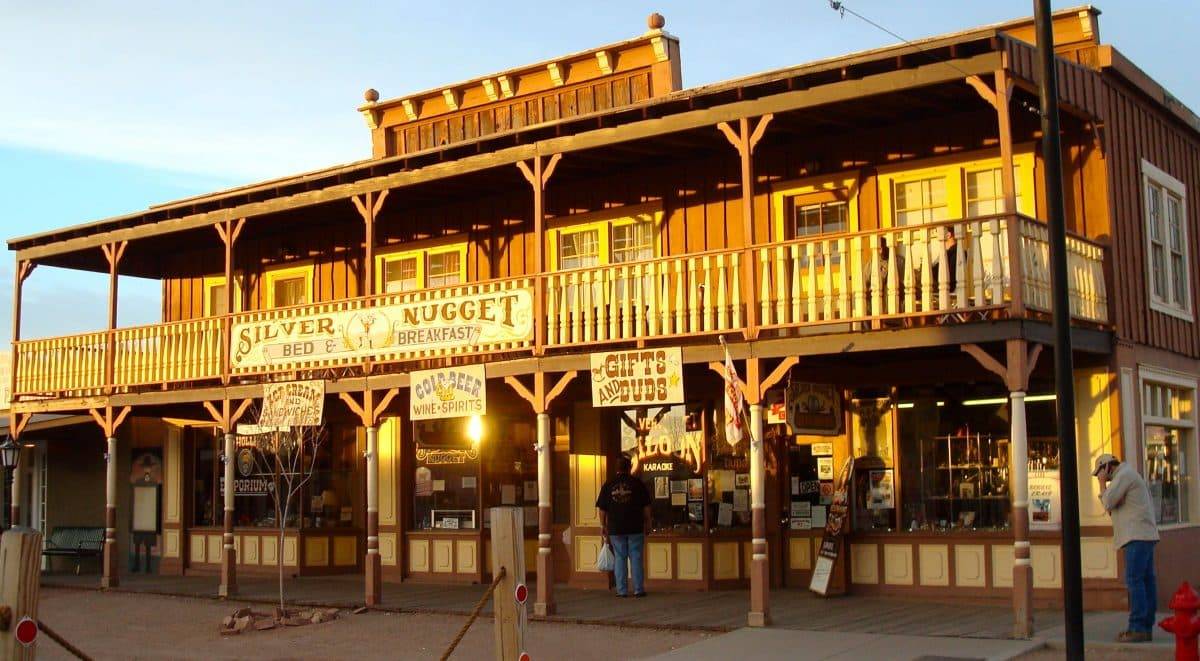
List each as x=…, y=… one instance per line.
x=446, y=478
x=510, y=465
x=329, y=495
x=728, y=477
x=666, y=445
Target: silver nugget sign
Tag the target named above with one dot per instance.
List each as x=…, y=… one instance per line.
x=399, y=328
x=638, y=377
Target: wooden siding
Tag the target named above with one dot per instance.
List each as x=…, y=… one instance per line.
x=1135, y=129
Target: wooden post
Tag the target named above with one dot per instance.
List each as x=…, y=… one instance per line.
x=369, y=205
x=113, y=252
x=111, y=575
x=20, y=565
x=16, y=425
x=537, y=178
x=226, y=418
x=369, y=411
x=228, y=231
x=18, y=485
x=744, y=141
x=1015, y=374
x=1008, y=182
x=23, y=269
x=539, y=398
x=508, y=552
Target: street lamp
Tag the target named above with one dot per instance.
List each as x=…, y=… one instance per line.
x=10, y=454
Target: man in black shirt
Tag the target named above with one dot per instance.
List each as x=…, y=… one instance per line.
x=624, y=505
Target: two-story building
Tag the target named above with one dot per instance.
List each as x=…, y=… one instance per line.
x=531, y=275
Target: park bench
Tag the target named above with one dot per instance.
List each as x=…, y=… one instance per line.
x=75, y=542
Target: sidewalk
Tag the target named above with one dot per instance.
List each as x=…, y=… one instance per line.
x=751, y=644
x=1100, y=632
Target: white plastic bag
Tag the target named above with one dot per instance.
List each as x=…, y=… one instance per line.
x=606, y=561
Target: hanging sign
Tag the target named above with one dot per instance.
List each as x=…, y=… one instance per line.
x=405, y=327
x=775, y=407
x=835, y=522
x=814, y=408
x=293, y=404
x=451, y=392
x=638, y=377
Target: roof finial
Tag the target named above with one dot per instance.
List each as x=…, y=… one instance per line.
x=656, y=21
x=371, y=95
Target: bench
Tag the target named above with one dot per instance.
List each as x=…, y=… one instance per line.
x=75, y=542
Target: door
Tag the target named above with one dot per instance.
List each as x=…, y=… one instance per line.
x=800, y=494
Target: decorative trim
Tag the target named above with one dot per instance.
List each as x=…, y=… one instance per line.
x=604, y=59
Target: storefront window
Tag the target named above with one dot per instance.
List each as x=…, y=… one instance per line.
x=204, y=479
x=447, y=473
x=955, y=461
x=728, y=478
x=329, y=494
x=1169, y=427
x=511, y=467
x=667, y=447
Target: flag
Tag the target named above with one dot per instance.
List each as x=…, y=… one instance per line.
x=734, y=401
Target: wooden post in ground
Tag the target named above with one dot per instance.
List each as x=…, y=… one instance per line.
x=20, y=564
x=226, y=418
x=508, y=551
x=16, y=425
x=109, y=421
x=539, y=398
x=369, y=410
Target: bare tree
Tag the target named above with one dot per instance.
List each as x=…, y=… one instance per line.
x=288, y=455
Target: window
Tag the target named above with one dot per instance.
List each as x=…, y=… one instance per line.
x=815, y=206
x=817, y=217
x=1166, y=243
x=984, y=195
x=1170, y=447
x=621, y=236
x=411, y=270
x=214, y=295
x=289, y=286
x=921, y=201
x=446, y=478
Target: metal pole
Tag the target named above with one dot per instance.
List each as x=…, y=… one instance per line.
x=1063, y=364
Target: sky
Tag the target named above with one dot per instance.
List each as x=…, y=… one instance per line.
x=108, y=107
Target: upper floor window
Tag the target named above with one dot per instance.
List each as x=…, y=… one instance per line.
x=921, y=201
x=952, y=188
x=622, y=236
x=984, y=194
x=421, y=268
x=811, y=215
x=215, y=303
x=289, y=286
x=1166, y=242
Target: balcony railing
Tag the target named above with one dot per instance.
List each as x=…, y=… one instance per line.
x=939, y=273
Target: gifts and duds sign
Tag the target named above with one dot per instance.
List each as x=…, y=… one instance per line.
x=637, y=377
x=450, y=392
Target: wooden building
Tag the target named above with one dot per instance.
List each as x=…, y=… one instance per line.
x=866, y=232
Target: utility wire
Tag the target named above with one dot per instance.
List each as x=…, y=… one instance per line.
x=842, y=10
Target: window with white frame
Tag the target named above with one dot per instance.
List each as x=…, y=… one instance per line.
x=1169, y=441
x=1166, y=242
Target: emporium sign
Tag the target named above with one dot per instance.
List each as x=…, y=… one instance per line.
x=452, y=392
x=638, y=377
x=459, y=322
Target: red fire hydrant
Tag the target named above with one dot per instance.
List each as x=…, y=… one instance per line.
x=1184, y=623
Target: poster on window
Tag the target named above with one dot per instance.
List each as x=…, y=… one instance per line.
x=451, y=392
x=1045, y=510
x=638, y=377
x=881, y=491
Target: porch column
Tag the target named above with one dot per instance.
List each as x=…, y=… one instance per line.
x=229, y=553
x=374, y=568
x=110, y=577
x=1022, y=565
x=760, y=614
x=18, y=485
x=544, y=605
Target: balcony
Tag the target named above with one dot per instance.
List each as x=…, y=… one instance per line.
x=832, y=283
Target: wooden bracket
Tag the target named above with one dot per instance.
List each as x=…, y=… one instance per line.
x=778, y=373
x=223, y=417
x=24, y=268
x=986, y=361
x=547, y=170
x=369, y=410
x=370, y=204
x=113, y=252
x=230, y=230
x=539, y=398
x=16, y=424
x=107, y=421
x=745, y=140
x=1015, y=374
x=984, y=90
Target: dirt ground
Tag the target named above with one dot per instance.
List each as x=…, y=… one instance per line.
x=127, y=626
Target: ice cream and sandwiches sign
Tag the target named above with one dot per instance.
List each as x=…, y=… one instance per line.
x=406, y=327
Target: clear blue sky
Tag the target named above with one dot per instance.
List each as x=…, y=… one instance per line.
x=108, y=107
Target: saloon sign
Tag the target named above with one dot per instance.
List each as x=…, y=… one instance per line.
x=637, y=378
x=404, y=328
x=453, y=392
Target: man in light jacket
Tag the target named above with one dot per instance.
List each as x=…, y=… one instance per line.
x=1127, y=499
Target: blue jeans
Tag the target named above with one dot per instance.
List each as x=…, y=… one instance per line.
x=1139, y=578
x=628, y=549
